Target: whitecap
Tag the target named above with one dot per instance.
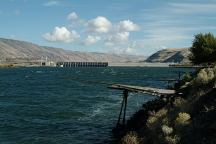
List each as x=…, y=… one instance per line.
x=39, y=71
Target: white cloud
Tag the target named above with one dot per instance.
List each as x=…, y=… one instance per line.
x=72, y=16
x=51, y=3
x=159, y=39
x=99, y=25
x=114, y=35
x=201, y=8
x=61, y=34
x=91, y=40
x=129, y=50
x=118, y=38
x=171, y=25
x=128, y=25
x=119, y=35
x=123, y=50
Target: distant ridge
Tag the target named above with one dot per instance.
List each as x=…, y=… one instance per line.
x=179, y=55
x=20, y=49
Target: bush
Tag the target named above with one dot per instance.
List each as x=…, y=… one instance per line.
x=155, y=119
x=205, y=76
x=151, y=120
x=178, y=102
x=172, y=139
x=203, y=49
x=167, y=130
x=182, y=119
x=187, y=77
x=214, y=69
x=130, y=138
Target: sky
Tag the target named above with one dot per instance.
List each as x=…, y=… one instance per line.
x=138, y=27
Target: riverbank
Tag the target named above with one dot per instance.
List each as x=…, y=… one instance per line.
x=138, y=64
x=186, y=118
x=6, y=65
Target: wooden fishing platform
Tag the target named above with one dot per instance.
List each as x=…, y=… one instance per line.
x=137, y=89
x=140, y=89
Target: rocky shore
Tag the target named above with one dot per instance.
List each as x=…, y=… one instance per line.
x=186, y=118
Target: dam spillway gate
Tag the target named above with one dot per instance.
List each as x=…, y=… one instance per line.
x=82, y=64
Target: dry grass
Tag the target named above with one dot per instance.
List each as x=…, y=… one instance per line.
x=130, y=138
x=167, y=130
x=156, y=118
x=172, y=139
x=179, y=102
x=205, y=76
x=6, y=65
x=182, y=119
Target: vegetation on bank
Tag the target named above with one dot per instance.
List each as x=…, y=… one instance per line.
x=203, y=49
x=183, y=119
x=189, y=117
x=6, y=65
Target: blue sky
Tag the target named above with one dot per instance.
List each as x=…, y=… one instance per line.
x=116, y=26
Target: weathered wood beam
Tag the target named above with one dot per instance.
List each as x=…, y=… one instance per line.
x=140, y=89
x=125, y=94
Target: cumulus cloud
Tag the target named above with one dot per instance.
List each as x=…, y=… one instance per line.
x=91, y=40
x=127, y=25
x=99, y=25
x=61, y=34
x=115, y=35
x=118, y=38
x=129, y=50
x=72, y=16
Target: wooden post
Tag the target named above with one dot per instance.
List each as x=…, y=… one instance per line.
x=125, y=93
x=179, y=76
x=119, y=118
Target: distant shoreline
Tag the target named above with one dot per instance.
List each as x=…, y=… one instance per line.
x=138, y=64
x=113, y=64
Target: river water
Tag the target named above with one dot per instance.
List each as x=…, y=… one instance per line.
x=69, y=105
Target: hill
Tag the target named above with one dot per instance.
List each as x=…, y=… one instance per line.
x=170, y=55
x=14, y=49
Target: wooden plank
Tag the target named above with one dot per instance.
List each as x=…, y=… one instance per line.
x=140, y=89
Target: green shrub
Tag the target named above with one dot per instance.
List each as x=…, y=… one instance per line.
x=187, y=77
x=130, y=138
x=203, y=49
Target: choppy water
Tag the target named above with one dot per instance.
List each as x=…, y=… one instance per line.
x=50, y=106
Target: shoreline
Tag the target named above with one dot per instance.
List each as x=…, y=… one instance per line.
x=110, y=64
x=138, y=64
x=188, y=117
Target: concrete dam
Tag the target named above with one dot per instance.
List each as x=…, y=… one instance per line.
x=81, y=64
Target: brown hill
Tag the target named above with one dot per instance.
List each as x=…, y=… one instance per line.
x=170, y=55
x=20, y=49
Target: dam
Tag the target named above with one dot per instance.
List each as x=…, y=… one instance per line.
x=81, y=64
